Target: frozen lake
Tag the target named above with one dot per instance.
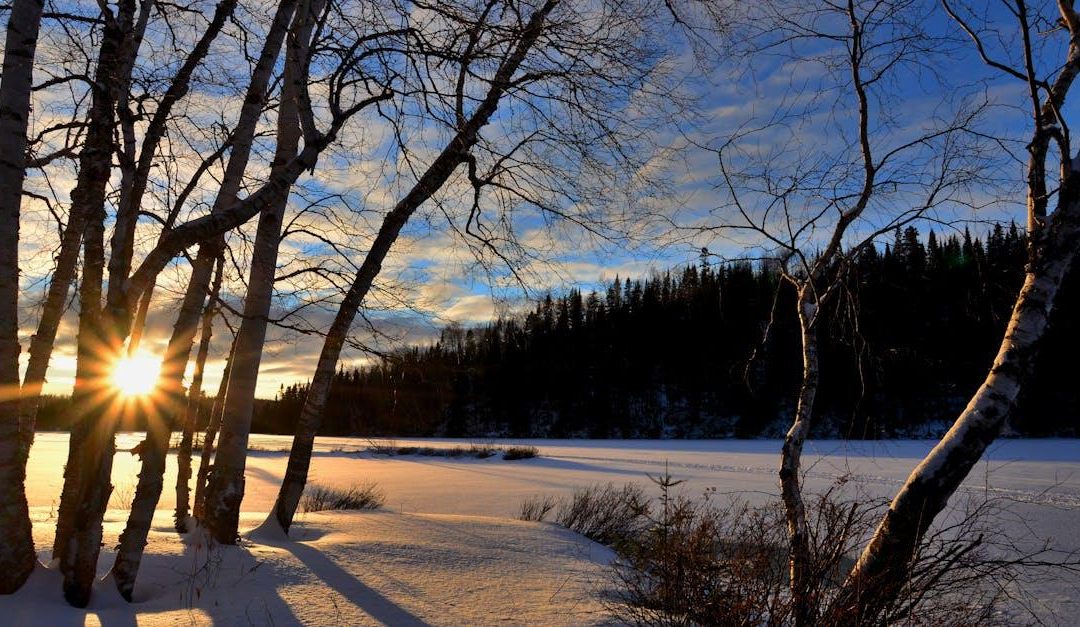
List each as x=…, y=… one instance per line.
x=1037, y=480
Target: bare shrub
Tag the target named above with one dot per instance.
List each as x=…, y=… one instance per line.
x=385, y=447
x=520, y=452
x=703, y=563
x=481, y=451
x=122, y=496
x=607, y=514
x=319, y=498
x=537, y=508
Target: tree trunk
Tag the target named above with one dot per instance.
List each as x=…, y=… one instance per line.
x=86, y=487
x=191, y=418
x=212, y=426
x=453, y=155
x=882, y=568
x=155, y=448
x=17, y=556
x=230, y=460
x=170, y=382
x=790, y=460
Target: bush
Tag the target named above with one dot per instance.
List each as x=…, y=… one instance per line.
x=604, y=513
x=537, y=508
x=386, y=447
x=319, y=498
x=689, y=561
x=481, y=451
x=520, y=452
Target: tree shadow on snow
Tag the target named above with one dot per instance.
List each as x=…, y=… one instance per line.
x=369, y=600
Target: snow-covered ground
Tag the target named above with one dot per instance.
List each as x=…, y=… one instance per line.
x=446, y=548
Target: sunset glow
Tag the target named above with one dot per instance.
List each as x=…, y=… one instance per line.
x=136, y=375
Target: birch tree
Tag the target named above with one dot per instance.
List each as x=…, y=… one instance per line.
x=194, y=402
x=17, y=557
x=832, y=169
x=104, y=330
x=883, y=567
x=601, y=56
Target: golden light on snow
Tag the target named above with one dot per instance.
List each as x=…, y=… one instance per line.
x=136, y=375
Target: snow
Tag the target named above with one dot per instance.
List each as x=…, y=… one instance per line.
x=446, y=548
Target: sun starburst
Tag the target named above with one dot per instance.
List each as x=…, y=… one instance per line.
x=136, y=375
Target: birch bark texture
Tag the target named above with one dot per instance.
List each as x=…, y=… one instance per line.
x=881, y=571
x=817, y=206
x=230, y=459
x=17, y=557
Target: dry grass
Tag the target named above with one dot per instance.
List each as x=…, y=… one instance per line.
x=319, y=498
x=520, y=452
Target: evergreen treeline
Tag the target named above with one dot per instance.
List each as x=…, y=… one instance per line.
x=668, y=356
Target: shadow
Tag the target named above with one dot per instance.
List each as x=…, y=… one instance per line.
x=375, y=604
x=506, y=471
x=262, y=473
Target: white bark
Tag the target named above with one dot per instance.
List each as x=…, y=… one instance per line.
x=230, y=460
x=17, y=556
x=790, y=462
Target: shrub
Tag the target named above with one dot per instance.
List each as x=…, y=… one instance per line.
x=481, y=451
x=385, y=447
x=537, y=508
x=319, y=498
x=603, y=512
x=686, y=561
x=521, y=452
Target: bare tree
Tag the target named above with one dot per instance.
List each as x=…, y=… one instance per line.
x=213, y=425
x=884, y=565
x=104, y=330
x=170, y=385
x=17, y=556
x=500, y=57
x=86, y=485
x=813, y=204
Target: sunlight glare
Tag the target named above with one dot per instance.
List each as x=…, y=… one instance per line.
x=136, y=375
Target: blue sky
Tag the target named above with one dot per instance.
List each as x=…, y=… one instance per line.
x=433, y=279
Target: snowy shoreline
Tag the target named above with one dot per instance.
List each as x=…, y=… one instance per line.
x=448, y=522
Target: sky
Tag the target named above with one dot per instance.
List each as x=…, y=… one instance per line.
x=783, y=117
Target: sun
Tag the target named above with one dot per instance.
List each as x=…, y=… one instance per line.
x=136, y=375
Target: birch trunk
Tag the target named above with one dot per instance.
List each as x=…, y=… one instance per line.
x=230, y=460
x=212, y=426
x=882, y=568
x=17, y=556
x=154, y=450
x=170, y=383
x=453, y=155
x=790, y=461
x=191, y=418
x=87, y=487
x=91, y=445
